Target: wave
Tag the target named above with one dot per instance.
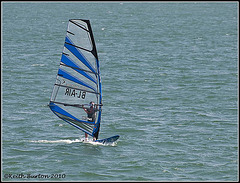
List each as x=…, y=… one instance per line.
x=68, y=141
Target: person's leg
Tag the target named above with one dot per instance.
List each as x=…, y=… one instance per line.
x=86, y=136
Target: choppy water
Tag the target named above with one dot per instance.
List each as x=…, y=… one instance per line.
x=170, y=90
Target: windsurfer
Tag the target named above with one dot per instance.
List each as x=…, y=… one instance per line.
x=91, y=115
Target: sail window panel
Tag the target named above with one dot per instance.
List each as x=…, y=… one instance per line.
x=73, y=85
x=68, y=62
x=82, y=24
x=81, y=79
x=80, y=56
x=78, y=113
x=79, y=36
x=70, y=95
x=72, y=119
x=91, y=59
x=75, y=59
x=71, y=78
x=70, y=100
x=85, y=126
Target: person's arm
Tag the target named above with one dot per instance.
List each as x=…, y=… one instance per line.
x=84, y=109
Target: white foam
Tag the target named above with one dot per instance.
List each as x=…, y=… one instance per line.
x=56, y=141
x=68, y=141
x=35, y=65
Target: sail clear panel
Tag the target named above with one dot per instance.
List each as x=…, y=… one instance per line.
x=78, y=80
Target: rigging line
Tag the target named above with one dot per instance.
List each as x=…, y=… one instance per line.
x=77, y=88
x=79, y=25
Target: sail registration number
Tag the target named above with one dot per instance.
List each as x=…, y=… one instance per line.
x=75, y=93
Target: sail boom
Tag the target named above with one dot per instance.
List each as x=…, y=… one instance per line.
x=73, y=105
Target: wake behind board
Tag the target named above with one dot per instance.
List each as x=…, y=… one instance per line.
x=108, y=140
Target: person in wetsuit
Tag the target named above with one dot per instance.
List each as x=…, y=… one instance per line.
x=91, y=112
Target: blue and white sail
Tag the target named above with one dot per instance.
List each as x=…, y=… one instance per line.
x=78, y=79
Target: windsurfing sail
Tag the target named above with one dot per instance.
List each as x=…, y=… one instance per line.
x=78, y=81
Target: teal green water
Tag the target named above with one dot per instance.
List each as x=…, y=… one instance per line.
x=170, y=90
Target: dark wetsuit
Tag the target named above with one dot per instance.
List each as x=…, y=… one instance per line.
x=92, y=117
x=91, y=114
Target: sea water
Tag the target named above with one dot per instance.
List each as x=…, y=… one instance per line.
x=170, y=90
